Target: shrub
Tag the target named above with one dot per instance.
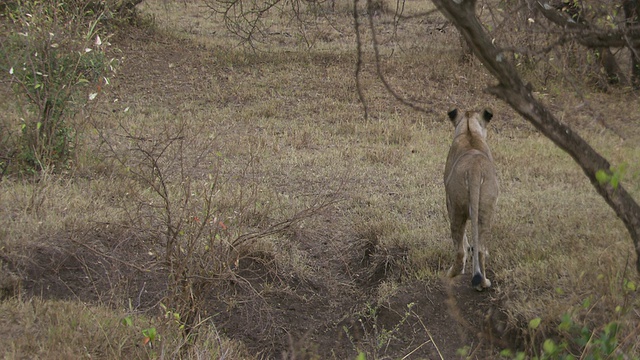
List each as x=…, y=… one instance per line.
x=576, y=338
x=55, y=56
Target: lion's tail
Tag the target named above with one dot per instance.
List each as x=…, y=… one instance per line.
x=475, y=180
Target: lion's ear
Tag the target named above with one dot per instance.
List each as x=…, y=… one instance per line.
x=487, y=115
x=453, y=114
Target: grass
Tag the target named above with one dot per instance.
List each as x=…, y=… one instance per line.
x=44, y=329
x=272, y=133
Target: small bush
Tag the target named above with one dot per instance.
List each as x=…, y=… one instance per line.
x=576, y=338
x=55, y=56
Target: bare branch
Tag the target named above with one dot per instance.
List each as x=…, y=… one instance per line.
x=243, y=18
x=587, y=34
x=356, y=21
x=380, y=74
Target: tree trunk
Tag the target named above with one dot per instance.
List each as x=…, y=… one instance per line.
x=632, y=17
x=513, y=91
x=615, y=75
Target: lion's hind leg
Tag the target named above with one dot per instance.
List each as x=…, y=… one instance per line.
x=484, y=254
x=461, y=244
x=468, y=251
x=479, y=280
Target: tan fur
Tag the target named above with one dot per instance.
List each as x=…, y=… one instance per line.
x=471, y=184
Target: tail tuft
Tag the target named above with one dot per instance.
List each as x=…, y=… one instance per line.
x=477, y=280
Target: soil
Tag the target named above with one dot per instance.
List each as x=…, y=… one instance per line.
x=331, y=314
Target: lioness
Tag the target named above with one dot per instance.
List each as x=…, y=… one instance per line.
x=471, y=184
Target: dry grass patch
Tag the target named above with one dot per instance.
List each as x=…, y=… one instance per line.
x=63, y=330
x=53, y=204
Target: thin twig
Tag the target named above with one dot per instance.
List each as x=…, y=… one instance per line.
x=380, y=74
x=361, y=97
x=428, y=334
x=99, y=253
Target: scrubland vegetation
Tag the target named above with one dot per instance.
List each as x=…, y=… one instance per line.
x=169, y=190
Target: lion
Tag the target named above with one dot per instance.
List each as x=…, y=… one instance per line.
x=471, y=185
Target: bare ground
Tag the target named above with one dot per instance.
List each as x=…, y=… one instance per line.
x=332, y=315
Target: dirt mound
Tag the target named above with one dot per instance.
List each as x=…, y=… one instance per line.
x=102, y=266
x=332, y=315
